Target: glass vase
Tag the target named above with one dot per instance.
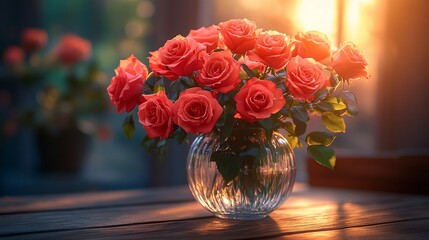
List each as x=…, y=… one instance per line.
x=246, y=177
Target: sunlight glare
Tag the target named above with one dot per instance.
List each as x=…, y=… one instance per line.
x=318, y=15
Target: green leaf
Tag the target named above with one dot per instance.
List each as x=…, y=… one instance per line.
x=293, y=141
x=226, y=122
x=299, y=113
x=269, y=125
x=227, y=163
x=175, y=90
x=179, y=134
x=352, y=110
x=290, y=127
x=300, y=127
x=249, y=72
x=159, y=86
x=333, y=122
x=128, y=126
x=284, y=111
x=323, y=155
x=161, y=148
x=320, y=94
x=320, y=138
x=350, y=96
x=252, y=156
x=332, y=104
x=188, y=82
x=149, y=144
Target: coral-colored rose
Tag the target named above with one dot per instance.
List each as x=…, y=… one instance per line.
x=126, y=87
x=312, y=44
x=220, y=72
x=158, y=68
x=73, y=49
x=34, y=39
x=272, y=49
x=13, y=56
x=181, y=55
x=349, y=62
x=239, y=35
x=196, y=110
x=304, y=76
x=155, y=115
x=258, y=99
x=208, y=37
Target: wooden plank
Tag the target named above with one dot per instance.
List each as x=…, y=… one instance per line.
x=29, y=204
x=9, y=205
x=280, y=224
x=415, y=229
x=307, y=210
x=60, y=220
x=93, y=218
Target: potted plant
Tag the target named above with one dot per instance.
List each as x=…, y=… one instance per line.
x=62, y=93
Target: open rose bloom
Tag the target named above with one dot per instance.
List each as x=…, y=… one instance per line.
x=235, y=74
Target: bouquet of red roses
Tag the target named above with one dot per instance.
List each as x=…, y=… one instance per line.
x=235, y=74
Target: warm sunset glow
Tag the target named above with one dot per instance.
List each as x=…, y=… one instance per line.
x=355, y=18
x=318, y=15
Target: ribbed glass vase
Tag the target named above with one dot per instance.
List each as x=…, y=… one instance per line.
x=249, y=178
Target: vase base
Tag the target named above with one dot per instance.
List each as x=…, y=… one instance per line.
x=241, y=216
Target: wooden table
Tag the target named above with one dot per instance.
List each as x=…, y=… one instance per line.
x=171, y=213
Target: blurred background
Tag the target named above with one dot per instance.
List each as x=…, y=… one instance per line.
x=55, y=144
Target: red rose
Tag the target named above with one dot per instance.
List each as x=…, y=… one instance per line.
x=304, y=77
x=312, y=44
x=271, y=49
x=239, y=35
x=126, y=87
x=258, y=99
x=34, y=39
x=349, y=62
x=155, y=115
x=158, y=68
x=196, y=110
x=72, y=49
x=220, y=72
x=209, y=37
x=13, y=56
x=182, y=56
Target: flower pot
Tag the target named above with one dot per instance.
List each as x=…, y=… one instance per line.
x=62, y=151
x=246, y=177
